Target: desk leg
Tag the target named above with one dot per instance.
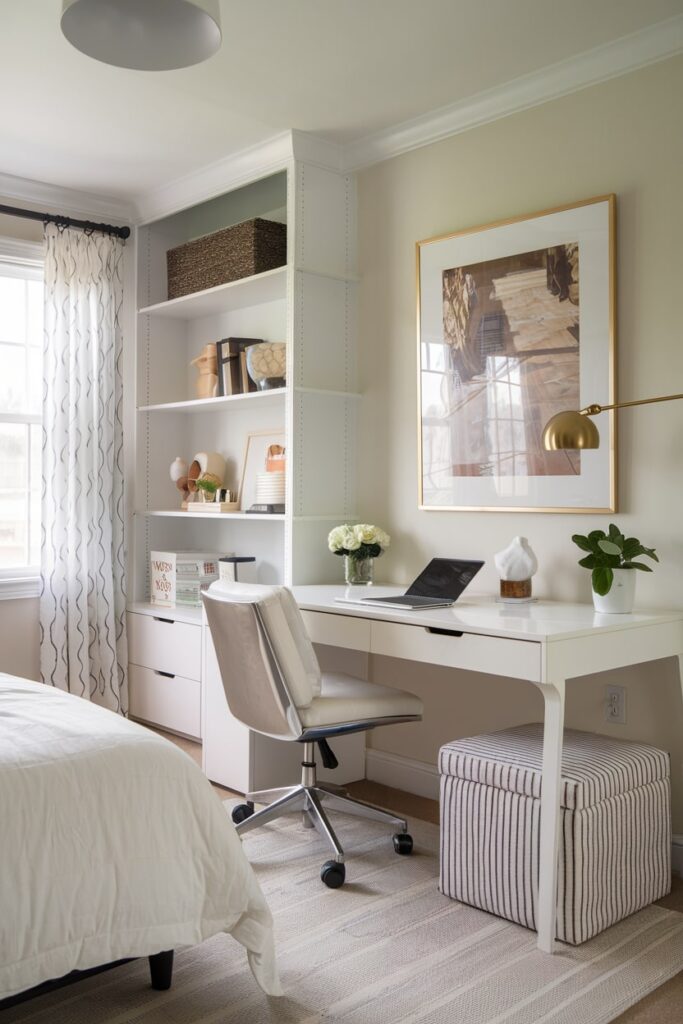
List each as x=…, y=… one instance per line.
x=553, y=730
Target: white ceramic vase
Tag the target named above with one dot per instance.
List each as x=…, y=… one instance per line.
x=621, y=596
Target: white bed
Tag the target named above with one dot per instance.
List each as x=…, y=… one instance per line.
x=112, y=845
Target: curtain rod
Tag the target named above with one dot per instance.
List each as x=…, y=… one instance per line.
x=66, y=222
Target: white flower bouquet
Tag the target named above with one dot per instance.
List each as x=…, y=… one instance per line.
x=358, y=542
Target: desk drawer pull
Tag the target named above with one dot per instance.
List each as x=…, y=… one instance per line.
x=157, y=618
x=166, y=675
x=444, y=632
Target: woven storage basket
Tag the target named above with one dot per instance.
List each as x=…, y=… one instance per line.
x=238, y=251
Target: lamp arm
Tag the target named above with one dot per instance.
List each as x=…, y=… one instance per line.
x=593, y=410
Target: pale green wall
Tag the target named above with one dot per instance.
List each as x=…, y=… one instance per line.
x=625, y=136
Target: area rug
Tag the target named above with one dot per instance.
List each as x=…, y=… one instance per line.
x=387, y=948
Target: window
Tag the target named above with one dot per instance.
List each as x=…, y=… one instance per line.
x=21, y=342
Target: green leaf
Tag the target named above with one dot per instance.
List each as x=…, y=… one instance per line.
x=632, y=547
x=615, y=533
x=588, y=562
x=609, y=547
x=637, y=565
x=582, y=542
x=596, y=535
x=651, y=553
x=601, y=578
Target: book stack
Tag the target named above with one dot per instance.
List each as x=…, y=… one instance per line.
x=178, y=577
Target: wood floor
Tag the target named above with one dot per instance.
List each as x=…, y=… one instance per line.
x=663, y=1006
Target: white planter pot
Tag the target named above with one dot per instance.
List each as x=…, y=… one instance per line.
x=621, y=594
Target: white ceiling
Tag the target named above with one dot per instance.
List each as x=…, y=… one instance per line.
x=343, y=69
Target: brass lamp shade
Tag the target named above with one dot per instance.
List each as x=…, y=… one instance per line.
x=570, y=429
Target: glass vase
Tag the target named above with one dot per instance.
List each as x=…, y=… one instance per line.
x=358, y=572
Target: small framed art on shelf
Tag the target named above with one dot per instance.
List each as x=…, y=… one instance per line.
x=262, y=485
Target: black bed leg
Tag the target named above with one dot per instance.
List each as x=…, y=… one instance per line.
x=161, y=970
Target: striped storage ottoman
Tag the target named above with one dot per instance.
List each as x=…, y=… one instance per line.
x=615, y=850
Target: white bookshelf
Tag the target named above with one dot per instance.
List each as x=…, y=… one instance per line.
x=310, y=304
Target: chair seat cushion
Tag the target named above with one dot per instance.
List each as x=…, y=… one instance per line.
x=344, y=699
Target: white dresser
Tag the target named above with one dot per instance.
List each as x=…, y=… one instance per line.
x=165, y=668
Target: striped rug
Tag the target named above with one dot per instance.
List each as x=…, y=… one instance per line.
x=384, y=949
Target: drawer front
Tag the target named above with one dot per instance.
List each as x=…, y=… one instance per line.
x=338, y=630
x=171, y=702
x=163, y=644
x=519, y=659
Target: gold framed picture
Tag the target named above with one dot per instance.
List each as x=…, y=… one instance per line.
x=516, y=322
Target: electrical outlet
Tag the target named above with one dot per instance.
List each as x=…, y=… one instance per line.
x=615, y=705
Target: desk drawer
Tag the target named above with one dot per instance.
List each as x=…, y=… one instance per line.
x=171, y=702
x=338, y=630
x=519, y=659
x=160, y=643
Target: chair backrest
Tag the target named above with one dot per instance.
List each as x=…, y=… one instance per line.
x=266, y=659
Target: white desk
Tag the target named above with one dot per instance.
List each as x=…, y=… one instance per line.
x=545, y=643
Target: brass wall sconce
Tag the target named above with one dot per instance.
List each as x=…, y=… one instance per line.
x=574, y=429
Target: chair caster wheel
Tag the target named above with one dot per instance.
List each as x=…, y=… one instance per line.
x=333, y=874
x=242, y=812
x=403, y=843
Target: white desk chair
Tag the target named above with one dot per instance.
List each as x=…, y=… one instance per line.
x=273, y=684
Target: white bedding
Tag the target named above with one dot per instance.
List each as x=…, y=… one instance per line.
x=112, y=845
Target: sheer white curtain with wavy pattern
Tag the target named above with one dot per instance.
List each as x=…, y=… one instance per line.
x=82, y=605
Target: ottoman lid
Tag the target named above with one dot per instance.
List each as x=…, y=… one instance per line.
x=593, y=767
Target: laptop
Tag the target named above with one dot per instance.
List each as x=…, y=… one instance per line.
x=438, y=586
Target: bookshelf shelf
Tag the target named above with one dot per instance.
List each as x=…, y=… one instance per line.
x=260, y=399
x=226, y=517
x=270, y=286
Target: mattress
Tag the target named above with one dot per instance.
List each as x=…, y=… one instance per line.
x=112, y=845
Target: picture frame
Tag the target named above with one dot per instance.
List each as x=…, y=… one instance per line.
x=516, y=322
x=256, y=449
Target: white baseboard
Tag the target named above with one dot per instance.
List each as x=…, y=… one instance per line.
x=404, y=773
x=422, y=779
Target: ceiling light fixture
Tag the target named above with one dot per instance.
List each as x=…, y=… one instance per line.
x=573, y=430
x=155, y=35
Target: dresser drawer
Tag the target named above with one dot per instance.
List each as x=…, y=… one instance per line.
x=338, y=630
x=520, y=659
x=171, y=702
x=163, y=644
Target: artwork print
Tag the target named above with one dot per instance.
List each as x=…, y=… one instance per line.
x=511, y=334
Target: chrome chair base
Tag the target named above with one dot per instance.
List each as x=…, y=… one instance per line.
x=312, y=799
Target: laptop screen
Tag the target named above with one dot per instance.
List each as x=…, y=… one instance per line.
x=444, y=577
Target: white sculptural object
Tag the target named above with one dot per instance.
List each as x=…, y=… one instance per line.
x=517, y=561
x=178, y=469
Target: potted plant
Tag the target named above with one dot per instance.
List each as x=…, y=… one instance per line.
x=611, y=559
x=207, y=485
x=360, y=545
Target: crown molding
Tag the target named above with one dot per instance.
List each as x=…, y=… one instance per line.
x=629, y=53
x=312, y=149
x=221, y=176
x=56, y=199
x=239, y=168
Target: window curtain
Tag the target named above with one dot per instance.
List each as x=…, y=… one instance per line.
x=82, y=605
